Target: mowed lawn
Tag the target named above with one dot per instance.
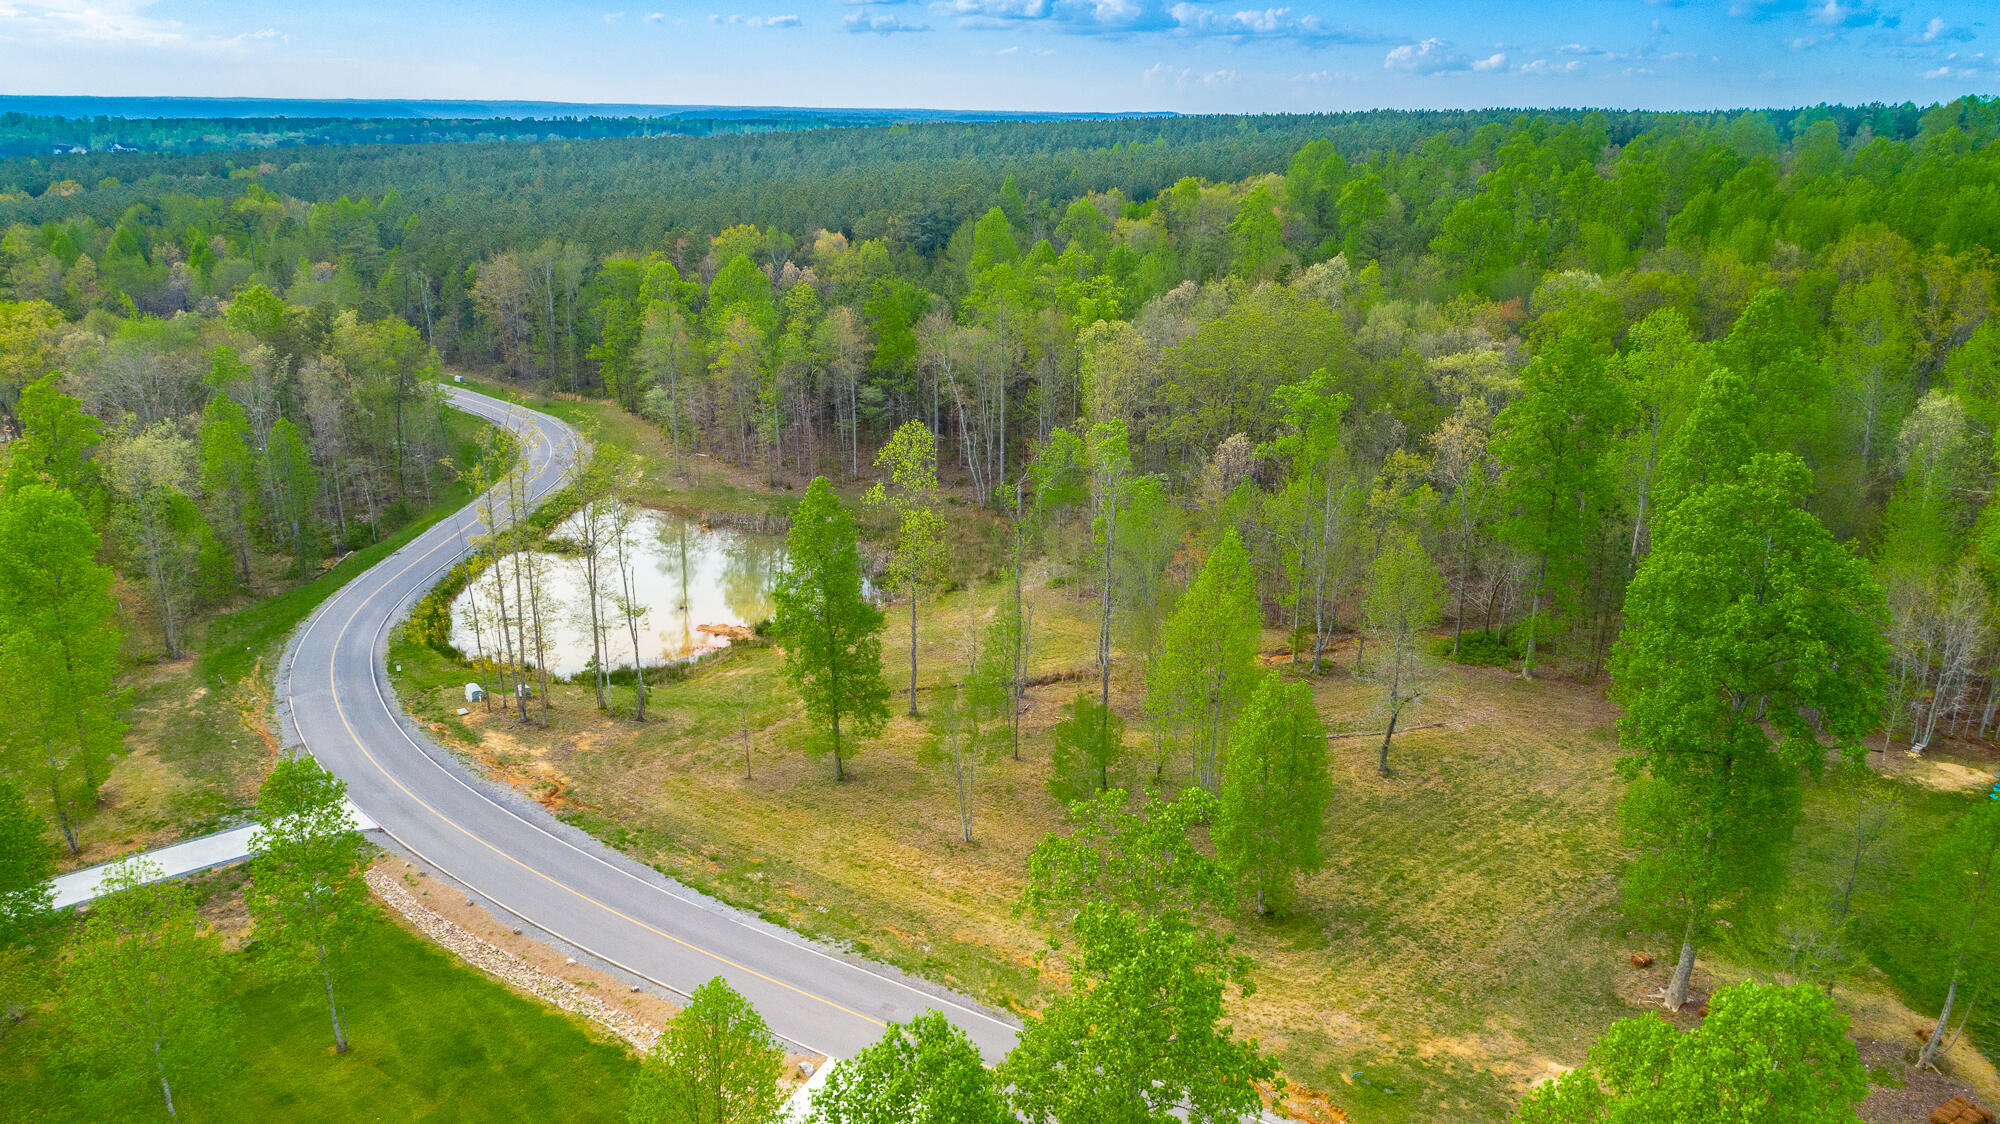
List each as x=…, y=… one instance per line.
x=432, y=1040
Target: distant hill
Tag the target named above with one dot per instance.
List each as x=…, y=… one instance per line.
x=34, y=126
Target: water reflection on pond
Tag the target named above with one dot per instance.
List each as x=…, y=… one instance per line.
x=685, y=577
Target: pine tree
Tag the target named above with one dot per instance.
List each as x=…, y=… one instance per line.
x=832, y=635
x=1274, y=791
x=1208, y=654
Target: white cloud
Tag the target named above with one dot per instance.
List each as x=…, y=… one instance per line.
x=756, y=21
x=1161, y=74
x=1430, y=56
x=1495, y=61
x=1266, y=22
x=862, y=22
x=655, y=17
x=613, y=17
x=994, y=10
x=1219, y=78
x=98, y=21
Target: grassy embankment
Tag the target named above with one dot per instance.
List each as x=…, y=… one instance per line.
x=432, y=1040
x=200, y=739
x=1463, y=941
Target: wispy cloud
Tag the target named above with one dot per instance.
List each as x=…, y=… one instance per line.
x=862, y=23
x=756, y=21
x=116, y=23
x=1168, y=76
x=1184, y=18
x=1852, y=13
x=1937, y=30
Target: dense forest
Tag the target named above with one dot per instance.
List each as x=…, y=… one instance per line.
x=1529, y=380
x=67, y=126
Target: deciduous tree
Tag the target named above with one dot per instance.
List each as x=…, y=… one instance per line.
x=142, y=990
x=911, y=492
x=715, y=1063
x=1764, y=1055
x=1960, y=889
x=1208, y=656
x=1405, y=597
x=1746, y=620
x=1556, y=485
x=925, y=1071
x=306, y=889
x=59, y=642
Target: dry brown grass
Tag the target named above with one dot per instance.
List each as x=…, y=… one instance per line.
x=1460, y=943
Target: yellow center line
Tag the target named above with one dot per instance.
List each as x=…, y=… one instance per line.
x=542, y=439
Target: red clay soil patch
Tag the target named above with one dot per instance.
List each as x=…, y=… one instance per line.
x=1960, y=1110
x=1302, y=1102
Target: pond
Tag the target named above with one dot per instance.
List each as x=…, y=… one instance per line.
x=697, y=586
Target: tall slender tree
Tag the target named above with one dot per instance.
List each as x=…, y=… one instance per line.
x=832, y=635
x=59, y=642
x=911, y=494
x=1274, y=791
x=1557, y=484
x=143, y=990
x=306, y=890
x=1405, y=597
x=1960, y=886
x=1746, y=620
x=1208, y=657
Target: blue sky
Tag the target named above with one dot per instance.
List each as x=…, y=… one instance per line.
x=1189, y=55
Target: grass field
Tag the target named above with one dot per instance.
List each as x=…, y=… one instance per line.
x=432, y=1040
x=1463, y=941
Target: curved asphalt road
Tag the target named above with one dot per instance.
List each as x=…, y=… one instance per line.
x=334, y=697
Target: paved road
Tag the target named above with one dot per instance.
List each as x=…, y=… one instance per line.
x=564, y=887
x=223, y=848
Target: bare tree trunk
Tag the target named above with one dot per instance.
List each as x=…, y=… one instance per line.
x=339, y=1034
x=166, y=1091
x=913, y=649
x=1534, y=615
x=1677, y=987
x=1928, y=1056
